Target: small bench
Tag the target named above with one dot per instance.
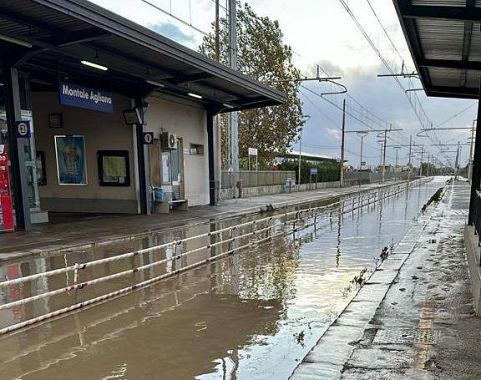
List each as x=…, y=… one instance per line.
x=181, y=204
x=164, y=207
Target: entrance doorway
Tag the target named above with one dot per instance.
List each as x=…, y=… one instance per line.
x=167, y=170
x=177, y=172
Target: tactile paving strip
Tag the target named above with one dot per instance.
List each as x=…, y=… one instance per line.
x=406, y=336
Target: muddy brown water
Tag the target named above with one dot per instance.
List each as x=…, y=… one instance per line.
x=253, y=315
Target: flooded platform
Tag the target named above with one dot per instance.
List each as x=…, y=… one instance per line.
x=251, y=315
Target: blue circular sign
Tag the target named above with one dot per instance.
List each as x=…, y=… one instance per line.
x=23, y=129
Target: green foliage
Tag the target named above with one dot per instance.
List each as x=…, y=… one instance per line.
x=264, y=57
x=326, y=172
x=434, y=170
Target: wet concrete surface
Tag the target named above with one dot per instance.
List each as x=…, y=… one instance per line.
x=423, y=326
x=254, y=315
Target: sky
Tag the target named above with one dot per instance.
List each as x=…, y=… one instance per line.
x=323, y=33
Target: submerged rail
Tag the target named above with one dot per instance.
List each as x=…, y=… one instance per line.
x=245, y=235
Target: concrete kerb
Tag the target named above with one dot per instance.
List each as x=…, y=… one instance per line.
x=369, y=303
x=189, y=223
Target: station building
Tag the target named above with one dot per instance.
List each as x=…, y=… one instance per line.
x=96, y=111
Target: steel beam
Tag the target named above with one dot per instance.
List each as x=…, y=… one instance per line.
x=476, y=178
x=450, y=64
x=211, y=148
x=439, y=12
x=141, y=159
x=16, y=147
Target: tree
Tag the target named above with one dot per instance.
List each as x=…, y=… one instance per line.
x=264, y=57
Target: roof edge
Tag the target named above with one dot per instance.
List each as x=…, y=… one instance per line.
x=122, y=27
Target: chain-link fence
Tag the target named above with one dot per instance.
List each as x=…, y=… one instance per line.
x=257, y=178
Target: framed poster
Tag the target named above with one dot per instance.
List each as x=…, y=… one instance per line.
x=165, y=168
x=113, y=167
x=71, y=160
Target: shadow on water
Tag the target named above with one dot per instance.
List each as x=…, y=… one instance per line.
x=250, y=316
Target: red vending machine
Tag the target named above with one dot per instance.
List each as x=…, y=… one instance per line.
x=6, y=205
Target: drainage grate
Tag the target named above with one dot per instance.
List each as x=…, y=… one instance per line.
x=406, y=336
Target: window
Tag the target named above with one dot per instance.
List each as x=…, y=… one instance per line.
x=114, y=167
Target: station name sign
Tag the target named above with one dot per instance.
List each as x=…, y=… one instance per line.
x=84, y=97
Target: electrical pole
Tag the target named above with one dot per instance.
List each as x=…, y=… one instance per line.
x=457, y=161
x=384, y=157
x=217, y=32
x=409, y=159
x=470, y=172
x=218, y=132
x=428, y=165
x=343, y=130
x=299, y=161
x=421, y=163
x=233, y=120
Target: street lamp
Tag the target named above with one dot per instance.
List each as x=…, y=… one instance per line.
x=361, y=135
x=306, y=118
x=397, y=160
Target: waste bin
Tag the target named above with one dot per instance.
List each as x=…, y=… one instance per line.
x=239, y=187
x=158, y=194
x=288, y=185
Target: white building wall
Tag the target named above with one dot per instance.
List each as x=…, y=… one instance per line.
x=188, y=121
x=102, y=131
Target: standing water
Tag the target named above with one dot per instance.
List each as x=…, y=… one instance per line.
x=253, y=315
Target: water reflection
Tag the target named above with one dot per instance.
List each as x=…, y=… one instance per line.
x=249, y=316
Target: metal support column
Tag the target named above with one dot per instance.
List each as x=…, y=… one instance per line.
x=233, y=118
x=211, y=141
x=16, y=148
x=141, y=158
x=476, y=175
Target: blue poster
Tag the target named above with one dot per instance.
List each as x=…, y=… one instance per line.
x=71, y=160
x=84, y=97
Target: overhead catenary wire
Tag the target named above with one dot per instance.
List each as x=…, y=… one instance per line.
x=177, y=18
x=416, y=103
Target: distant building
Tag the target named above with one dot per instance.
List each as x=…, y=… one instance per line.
x=310, y=158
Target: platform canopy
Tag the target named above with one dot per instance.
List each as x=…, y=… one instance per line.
x=50, y=38
x=445, y=41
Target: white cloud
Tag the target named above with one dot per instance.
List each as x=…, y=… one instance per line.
x=333, y=133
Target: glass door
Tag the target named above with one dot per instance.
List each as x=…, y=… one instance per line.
x=176, y=159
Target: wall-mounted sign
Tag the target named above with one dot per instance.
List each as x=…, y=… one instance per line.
x=148, y=138
x=84, y=97
x=71, y=160
x=23, y=129
x=133, y=116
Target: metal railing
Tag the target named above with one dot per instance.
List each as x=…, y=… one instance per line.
x=257, y=178
x=355, y=178
x=215, y=245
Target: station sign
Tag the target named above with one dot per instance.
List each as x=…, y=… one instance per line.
x=75, y=95
x=23, y=129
